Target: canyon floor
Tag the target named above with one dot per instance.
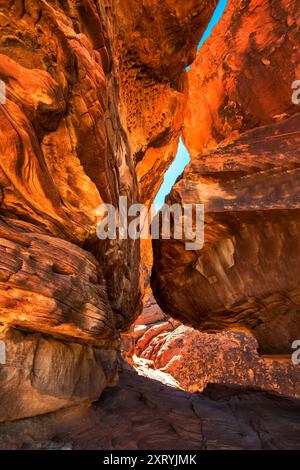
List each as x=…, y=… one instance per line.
x=142, y=413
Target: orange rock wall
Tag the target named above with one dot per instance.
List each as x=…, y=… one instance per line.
x=242, y=130
x=243, y=75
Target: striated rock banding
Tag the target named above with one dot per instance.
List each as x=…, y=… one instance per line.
x=63, y=153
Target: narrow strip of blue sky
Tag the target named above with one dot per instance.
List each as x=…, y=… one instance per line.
x=183, y=157
x=215, y=19
x=171, y=175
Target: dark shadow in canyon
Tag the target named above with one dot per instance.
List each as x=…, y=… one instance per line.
x=144, y=414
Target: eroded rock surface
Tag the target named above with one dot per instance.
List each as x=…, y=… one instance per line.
x=153, y=42
x=193, y=359
x=53, y=286
x=63, y=153
x=96, y=98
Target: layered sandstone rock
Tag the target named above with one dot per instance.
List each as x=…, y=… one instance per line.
x=246, y=274
x=96, y=96
x=63, y=153
x=53, y=286
x=63, y=149
x=152, y=43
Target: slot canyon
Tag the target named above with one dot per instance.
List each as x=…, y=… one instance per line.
x=140, y=344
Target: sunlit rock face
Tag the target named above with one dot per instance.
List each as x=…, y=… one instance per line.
x=246, y=276
x=63, y=149
x=243, y=75
x=53, y=286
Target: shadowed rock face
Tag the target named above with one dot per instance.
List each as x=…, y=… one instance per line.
x=144, y=414
x=43, y=374
x=246, y=276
